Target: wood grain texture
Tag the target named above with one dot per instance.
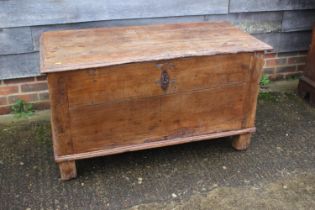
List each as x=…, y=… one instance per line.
x=139, y=80
x=125, y=105
x=269, y=5
x=81, y=49
x=67, y=170
x=155, y=144
x=33, y=12
x=241, y=142
x=38, y=30
x=60, y=118
x=156, y=118
x=158, y=86
x=251, y=90
x=262, y=22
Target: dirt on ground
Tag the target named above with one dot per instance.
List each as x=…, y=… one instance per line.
x=276, y=172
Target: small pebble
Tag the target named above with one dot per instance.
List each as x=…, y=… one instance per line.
x=174, y=195
x=285, y=187
x=224, y=167
x=140, y=180
x=21, y=163
x=82, y=184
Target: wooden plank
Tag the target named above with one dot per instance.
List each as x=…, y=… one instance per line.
x=19, y=66
x=250, y=22
x=269, y=5
x=262, y=22
x=255, y=71
x=87, y=87
x=34, y=12
x=187, y=108
x=156, y=118
x=38, y=30
x=60, y=120
x=149, y=145
x=15, y=41
x=287, y=42
x=81, y=49
x=298, y=20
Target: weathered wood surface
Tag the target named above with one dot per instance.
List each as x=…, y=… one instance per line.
x=287, y=42
x=81, y=49
x=34, y=12
x=38, y=30
x=111, y=97
x=298, y=20
x=16, y=41
x=21, y=65
x=60, y=116
x=87, y=87
x=155, y=144
x=269, y=5
x=241, y=142
x=249, y=22
x=145, y=114
x=68, y=170
x=138, y=111
x=187, y=111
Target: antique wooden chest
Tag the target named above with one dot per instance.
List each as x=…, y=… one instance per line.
x=121, y=89
x=306, y=87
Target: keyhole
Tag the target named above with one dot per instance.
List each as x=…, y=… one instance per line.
x=164, y=80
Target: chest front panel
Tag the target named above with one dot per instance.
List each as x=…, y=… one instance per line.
x=137, y=103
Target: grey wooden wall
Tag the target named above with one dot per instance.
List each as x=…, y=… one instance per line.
x=285, y=24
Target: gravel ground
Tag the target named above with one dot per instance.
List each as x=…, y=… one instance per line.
x=276, y=172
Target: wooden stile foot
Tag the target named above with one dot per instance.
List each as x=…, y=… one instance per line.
x=241, y=142
x=68, y=170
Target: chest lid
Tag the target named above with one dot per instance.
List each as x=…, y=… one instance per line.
x=91, y=48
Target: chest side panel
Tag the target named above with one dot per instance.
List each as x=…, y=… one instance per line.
x=125, y=105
